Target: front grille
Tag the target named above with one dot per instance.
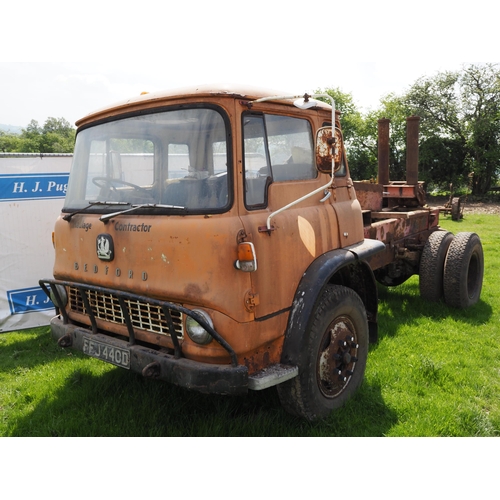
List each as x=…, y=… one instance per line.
x=144, y=316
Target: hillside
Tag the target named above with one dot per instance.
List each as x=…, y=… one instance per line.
x=10, y=129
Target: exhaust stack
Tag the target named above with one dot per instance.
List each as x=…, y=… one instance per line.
x=412, y=126
x=383, y=151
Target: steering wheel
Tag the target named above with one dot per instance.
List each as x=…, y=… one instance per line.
x=110, y=183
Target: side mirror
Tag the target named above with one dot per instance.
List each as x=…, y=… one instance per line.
x=329, y=147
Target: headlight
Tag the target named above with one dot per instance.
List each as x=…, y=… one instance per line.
x=61, y=290
x=195, y=331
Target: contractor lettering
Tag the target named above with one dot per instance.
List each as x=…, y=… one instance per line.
x=135, y=228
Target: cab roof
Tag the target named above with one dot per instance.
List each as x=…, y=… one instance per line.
x=161, y=97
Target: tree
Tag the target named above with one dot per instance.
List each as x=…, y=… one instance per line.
x=361, y=134
x=56, y=136
x=30, y=138
x=459, y=129
x=462, y=111
x=396, y=110
x=59, y=126
x=441, y=160
x=9, y=142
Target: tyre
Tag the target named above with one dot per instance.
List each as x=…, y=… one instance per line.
x=455, y=209
x=463, y=271
x=333, y=360
x=432, y=265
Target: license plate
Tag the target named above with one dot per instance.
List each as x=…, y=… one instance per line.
x=106, y=352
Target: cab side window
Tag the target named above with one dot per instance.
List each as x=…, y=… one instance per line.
x=276, y=149
x=257, y=168
x=291, y=148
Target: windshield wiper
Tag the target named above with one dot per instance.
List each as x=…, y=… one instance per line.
x=106, y=217
x=68, y=217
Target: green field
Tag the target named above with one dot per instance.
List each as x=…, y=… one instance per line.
x=434, y=372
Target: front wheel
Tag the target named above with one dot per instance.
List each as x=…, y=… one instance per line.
x=333, y=360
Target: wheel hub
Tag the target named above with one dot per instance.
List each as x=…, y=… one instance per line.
x=337, y=357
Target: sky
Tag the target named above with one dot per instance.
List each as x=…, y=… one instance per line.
x=368, y=49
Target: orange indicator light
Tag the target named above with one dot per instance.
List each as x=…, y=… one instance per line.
x=247, y=259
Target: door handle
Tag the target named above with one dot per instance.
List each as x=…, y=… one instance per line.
x=327, y=195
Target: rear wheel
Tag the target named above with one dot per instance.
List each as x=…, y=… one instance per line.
x=333, y=360
x=432, y=265
x=463, y=271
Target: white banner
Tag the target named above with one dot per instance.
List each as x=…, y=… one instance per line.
x=32, y=190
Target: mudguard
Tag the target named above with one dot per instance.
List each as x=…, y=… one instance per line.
x=318, y=275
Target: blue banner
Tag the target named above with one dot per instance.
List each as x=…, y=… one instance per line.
x=27, y=300
x=20, y=187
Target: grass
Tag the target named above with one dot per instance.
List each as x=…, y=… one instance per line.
x=434, y=372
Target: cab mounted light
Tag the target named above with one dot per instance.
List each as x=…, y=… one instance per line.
x=247, y=259
x=196, y=332
x=59, y=296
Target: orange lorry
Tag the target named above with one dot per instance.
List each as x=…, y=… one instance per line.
x=214, y=239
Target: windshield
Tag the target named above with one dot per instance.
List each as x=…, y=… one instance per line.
x=168, y=160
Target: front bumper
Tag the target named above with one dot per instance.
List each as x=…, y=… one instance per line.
x=202, y=377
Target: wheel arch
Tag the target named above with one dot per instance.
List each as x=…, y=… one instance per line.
x=345, y=267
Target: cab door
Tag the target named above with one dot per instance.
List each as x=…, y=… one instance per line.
x=277, y=167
